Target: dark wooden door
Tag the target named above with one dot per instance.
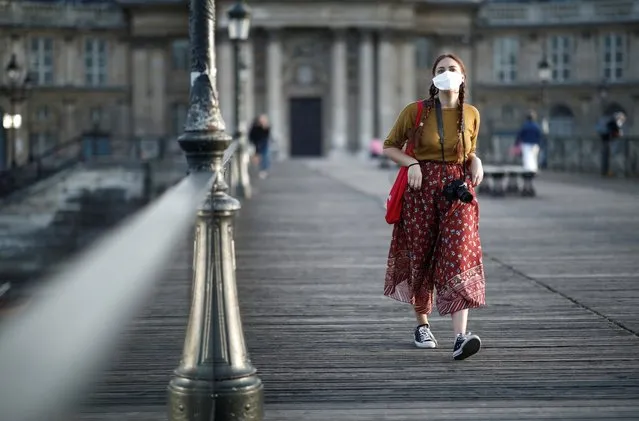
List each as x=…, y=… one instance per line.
x=306, y=126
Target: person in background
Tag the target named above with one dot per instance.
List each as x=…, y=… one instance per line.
x=609, y=132
x=529, y=140
x=260, y=137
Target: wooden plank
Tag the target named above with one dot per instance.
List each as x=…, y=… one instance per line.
x=347, y=343
x=328, y=345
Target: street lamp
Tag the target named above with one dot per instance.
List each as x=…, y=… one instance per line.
x=602, y=89
x=545, y=74
x=16, y=90
x=545, y=71
x=239, y=21
x=13, y=70
x=239, y=25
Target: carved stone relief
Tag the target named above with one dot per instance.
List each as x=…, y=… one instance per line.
x=307, y=59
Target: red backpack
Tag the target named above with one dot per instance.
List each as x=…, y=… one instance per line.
x=395, y=199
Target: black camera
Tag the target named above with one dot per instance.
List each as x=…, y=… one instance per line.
x=457, y=189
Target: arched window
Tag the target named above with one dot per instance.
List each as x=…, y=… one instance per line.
x=561, y=122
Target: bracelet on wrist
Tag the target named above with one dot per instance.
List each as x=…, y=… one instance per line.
x=414, y=163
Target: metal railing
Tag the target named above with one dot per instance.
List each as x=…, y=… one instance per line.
x=51, y=350
x=583, y=154
x=65, y=155
x=40, y=167
x=573, y=154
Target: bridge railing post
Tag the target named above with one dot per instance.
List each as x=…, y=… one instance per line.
x=215, y=379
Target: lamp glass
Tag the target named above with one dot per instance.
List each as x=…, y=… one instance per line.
x=13, y=75
x=545, y=73
x=239, y=29
x=17, y=121
x=7, y=121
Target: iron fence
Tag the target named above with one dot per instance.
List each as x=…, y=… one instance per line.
x=570, y=154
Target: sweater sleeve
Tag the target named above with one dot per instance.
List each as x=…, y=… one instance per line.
x=475, y=134
x=398, y=135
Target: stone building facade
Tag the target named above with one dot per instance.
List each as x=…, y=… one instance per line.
x=331, y=75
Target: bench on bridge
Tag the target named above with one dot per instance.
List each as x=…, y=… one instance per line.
x=502, y=180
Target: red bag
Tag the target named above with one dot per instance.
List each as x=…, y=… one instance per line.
x=395, y=199
x=515, y=150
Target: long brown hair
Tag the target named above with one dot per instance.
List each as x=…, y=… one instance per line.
x=433, y=91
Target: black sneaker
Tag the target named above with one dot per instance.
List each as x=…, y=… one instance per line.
x=465, y=346
x=424, y=337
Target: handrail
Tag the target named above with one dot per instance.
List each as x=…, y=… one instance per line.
x=61, y=157
x=574, y=153
x=25, y=175
x=42, y=367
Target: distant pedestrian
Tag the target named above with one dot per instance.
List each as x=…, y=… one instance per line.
x=610, y=130
x=436, y=245
x=260, y=136
x=529, y=140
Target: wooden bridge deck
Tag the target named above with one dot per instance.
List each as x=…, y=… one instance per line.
x=560, y=332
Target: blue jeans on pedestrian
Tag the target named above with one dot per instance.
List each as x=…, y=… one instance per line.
x=263, y=150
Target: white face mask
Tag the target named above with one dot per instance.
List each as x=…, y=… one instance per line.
x=448, y=81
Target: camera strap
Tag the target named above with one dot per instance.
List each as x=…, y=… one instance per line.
x=440, y=129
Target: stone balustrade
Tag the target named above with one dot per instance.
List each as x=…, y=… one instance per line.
x=60, y=15
x=335, y=15
x=518, y=14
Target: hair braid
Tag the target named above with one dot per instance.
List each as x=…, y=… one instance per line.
x=461, y=144
x=428, y=106
x=430, y=103
x=433, y=91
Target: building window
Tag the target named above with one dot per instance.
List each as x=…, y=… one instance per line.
x=560, y=50
x=42, y=142
x=42, y=113
x=178, y=113
x=96, y=115
x=614, y=56
x=181, y=54
x=506, y=51
x=41, y=60
x=95, y=61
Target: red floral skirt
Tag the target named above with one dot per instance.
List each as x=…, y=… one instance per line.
x=436, y=247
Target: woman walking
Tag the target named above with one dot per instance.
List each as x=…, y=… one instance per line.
x=260, y=136
x=436, y=245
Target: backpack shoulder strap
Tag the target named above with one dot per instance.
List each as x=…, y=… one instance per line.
x=420, y=110
x=418, y=127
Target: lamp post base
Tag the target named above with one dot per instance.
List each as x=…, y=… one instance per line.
x=239, y=399
x=190, y=399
